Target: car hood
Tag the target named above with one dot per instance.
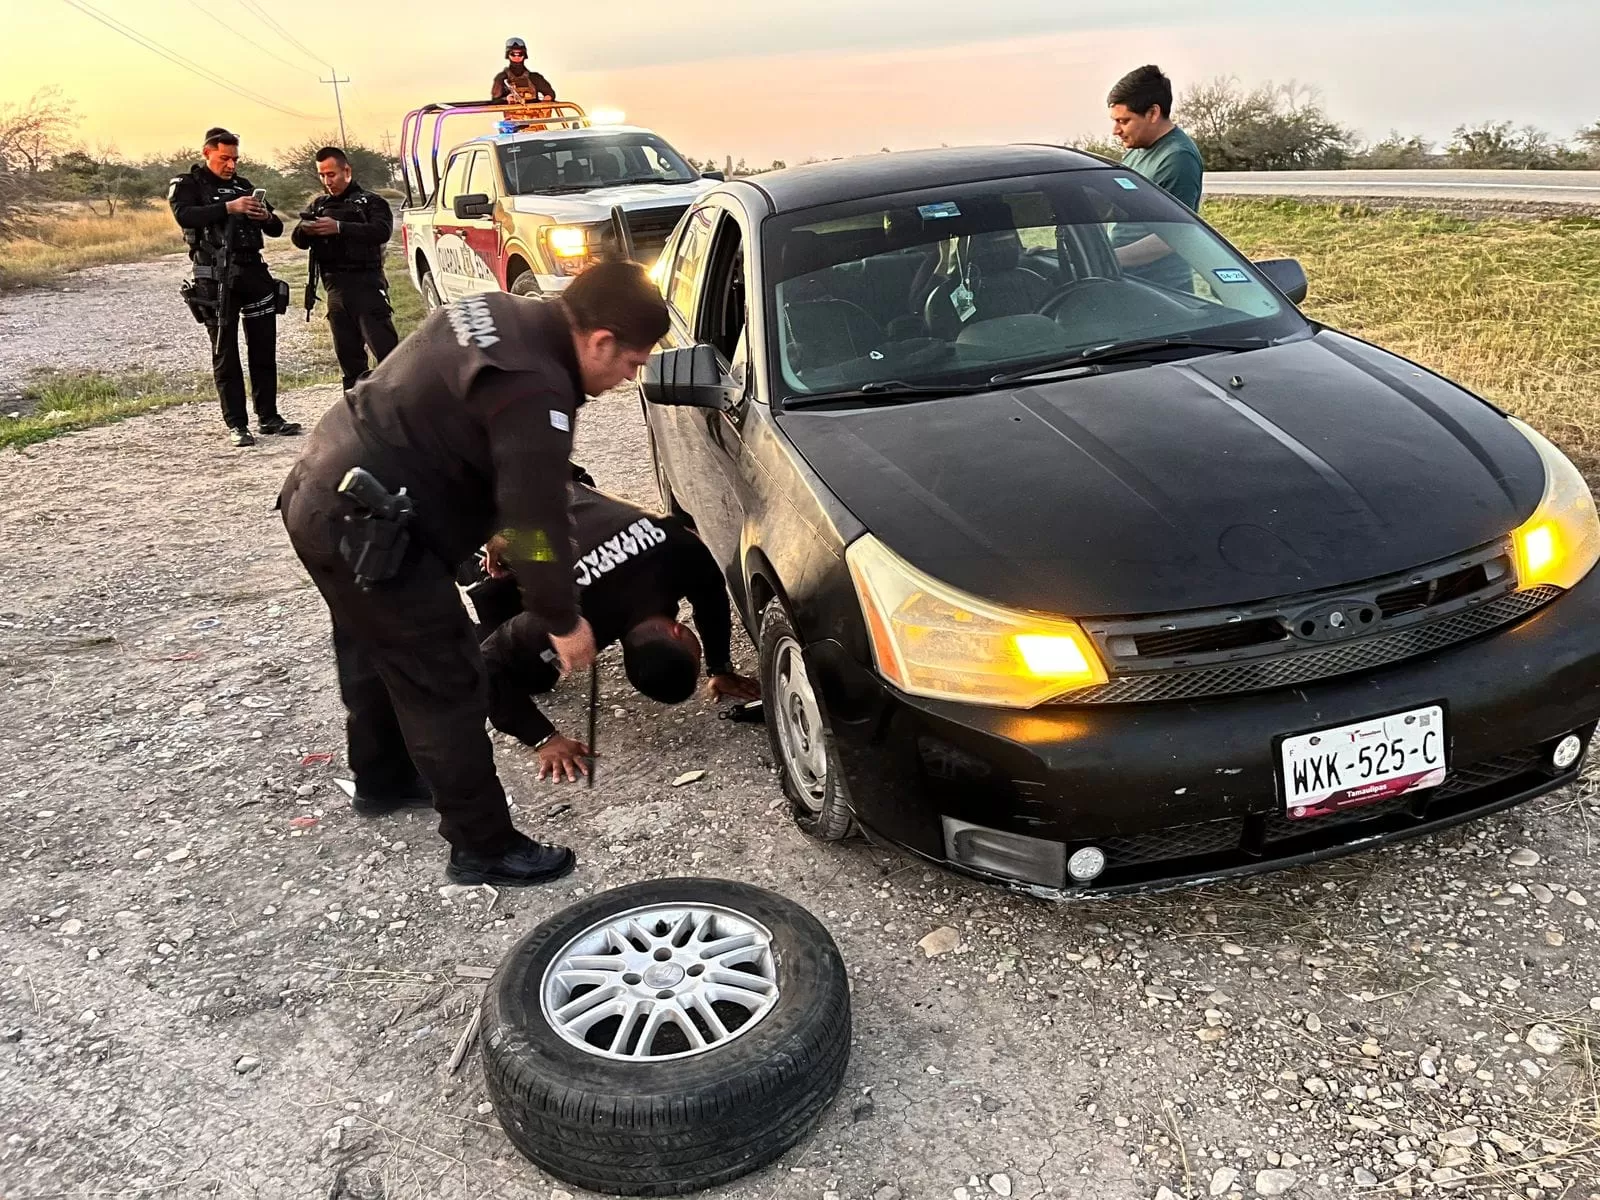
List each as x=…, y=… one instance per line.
x=1216, y=481
x=596, y=205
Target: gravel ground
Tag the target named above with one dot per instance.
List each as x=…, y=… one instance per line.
x=204, y=993
x=122, y=318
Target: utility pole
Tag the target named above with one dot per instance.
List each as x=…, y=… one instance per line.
x=336, y=81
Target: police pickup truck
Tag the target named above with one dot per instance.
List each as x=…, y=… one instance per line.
x=526, y=206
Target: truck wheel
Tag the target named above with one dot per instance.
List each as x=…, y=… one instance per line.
x=525, y=285
x=667, y=1036
x=430, y=293
x=808, y=768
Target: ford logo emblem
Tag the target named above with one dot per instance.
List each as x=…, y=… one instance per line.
x=1335, y=621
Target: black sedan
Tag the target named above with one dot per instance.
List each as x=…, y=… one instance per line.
x=1080, y=560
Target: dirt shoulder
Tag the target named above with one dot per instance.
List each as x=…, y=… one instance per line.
x=124, y=318
x=199, y=998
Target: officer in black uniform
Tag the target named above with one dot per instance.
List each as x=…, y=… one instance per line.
x=472, y=415
x=632, y=567
x=223, y=224
x=346, y=232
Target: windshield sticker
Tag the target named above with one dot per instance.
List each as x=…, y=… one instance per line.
x=945, y=208
x=1232, y=275
x=1126, y=184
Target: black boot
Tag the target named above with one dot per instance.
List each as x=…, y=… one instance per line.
x=279, y=426
x=524, y=862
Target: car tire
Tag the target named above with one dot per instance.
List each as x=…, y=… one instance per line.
x=526, y=285
x=669, y=502
x=430, y=293
x=661, y=1126
x=802, y=747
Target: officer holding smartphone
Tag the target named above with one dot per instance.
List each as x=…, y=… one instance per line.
x=224, y=220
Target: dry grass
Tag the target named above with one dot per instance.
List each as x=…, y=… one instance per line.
x=51, y=244
x=1509, y=308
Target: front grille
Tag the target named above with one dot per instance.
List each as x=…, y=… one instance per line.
x=650, y=228
x=1262, y=833
x=1460, y=780
x=1310, y=665
x=1434, y=592
x=1180, y=841
x=1209, y=639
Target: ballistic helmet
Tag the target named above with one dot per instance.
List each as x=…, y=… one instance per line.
x=515, y=44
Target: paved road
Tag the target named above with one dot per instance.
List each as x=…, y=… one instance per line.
x=1575, y=188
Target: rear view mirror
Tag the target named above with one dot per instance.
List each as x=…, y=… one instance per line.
x=719, y=176
x=689, y=377
x=475, y=205
x=1287, y=275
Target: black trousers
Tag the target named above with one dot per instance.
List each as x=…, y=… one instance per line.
x=360, y=319
x=252, y=301
x=410, y=674
x=521, y=662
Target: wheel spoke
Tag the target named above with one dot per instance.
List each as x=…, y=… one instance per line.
x=739, y=987
x=574, y=1009
x=594, y=962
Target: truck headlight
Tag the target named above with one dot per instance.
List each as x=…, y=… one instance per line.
x=567, y=241
x=930, y=639
x=1560, y=542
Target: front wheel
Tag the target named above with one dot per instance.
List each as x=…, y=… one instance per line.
x=430, y=293
x=808, y=768
x=525, y=285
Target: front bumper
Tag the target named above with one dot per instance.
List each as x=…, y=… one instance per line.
x=1178, y=793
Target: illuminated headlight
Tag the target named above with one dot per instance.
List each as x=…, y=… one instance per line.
x=567, y=241
x=1560, y=542
x=928, y=639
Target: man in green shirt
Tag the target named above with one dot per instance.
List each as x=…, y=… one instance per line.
x=1141, y=118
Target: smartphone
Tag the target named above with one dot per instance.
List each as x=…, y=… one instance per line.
x=260, y=195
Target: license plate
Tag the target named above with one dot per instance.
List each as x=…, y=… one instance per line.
x=1372, y=760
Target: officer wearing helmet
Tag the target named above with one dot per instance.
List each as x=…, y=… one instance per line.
x=516, y=84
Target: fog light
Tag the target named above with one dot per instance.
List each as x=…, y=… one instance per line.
x=1086, y=863
x=1009, y=855
x=1568, y=750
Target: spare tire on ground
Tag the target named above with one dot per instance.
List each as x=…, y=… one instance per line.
x=666, y=1036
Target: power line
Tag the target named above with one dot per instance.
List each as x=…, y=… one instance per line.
x=238, y=33
x=271, y=23
x=174, y=57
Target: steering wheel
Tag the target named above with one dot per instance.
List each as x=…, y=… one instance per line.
x=1054, y=301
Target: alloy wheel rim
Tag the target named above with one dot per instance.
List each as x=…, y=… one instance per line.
x=661, y=982
x=800, y=731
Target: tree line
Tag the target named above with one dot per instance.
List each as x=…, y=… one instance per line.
x=42, y=159
x=1285, y=127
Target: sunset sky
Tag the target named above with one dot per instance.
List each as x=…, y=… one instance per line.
x=821, y=78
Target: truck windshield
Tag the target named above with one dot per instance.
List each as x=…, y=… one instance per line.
x=575, y=164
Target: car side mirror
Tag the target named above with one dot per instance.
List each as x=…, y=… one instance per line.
x=719, y=176
x=1287, y=275
x=689, y=377
x=475, y=205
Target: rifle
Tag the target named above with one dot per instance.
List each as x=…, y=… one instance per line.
x=311, y=270
x=222, y=264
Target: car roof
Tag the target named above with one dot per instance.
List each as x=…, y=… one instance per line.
x=816, y=184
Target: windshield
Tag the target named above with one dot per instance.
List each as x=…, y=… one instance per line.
x=536, y=165
x=960, y=284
